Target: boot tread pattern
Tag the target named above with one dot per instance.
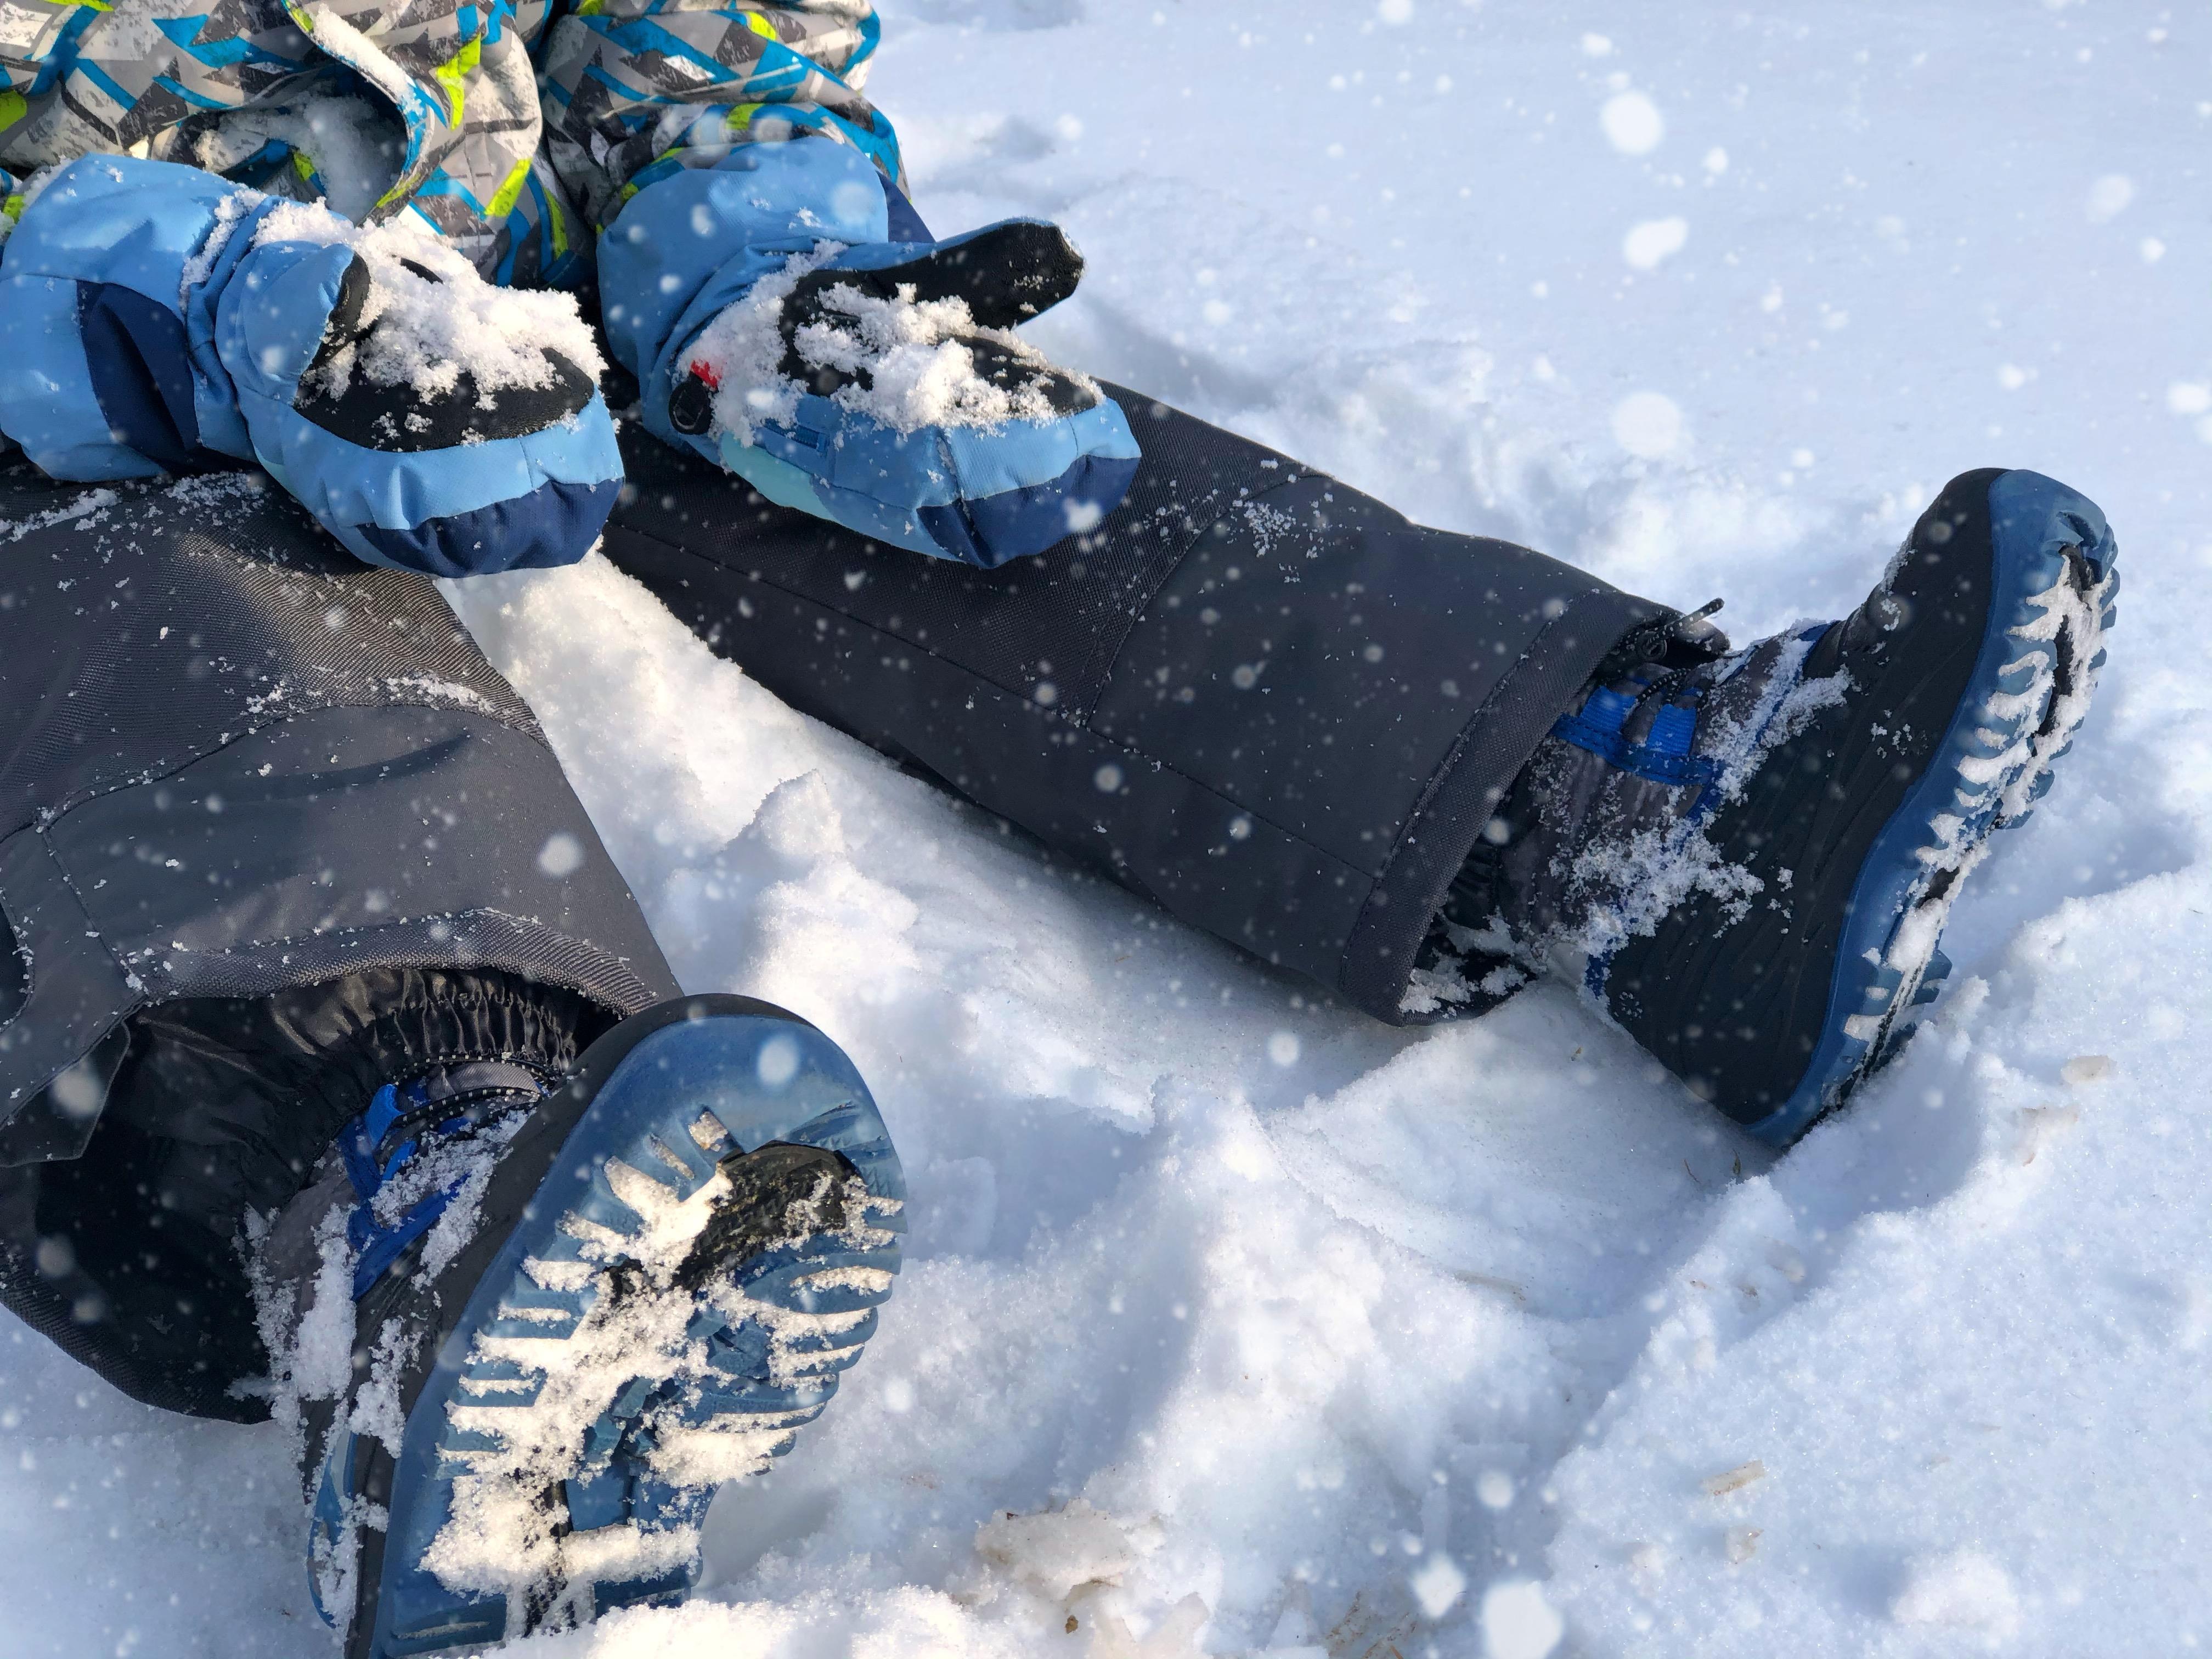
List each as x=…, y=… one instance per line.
x=2050, y=610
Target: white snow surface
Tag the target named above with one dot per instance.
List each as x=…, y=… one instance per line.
x=1279, y=1331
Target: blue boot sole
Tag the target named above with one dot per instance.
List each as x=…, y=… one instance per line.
x=701, y=1257
x=2052, y=596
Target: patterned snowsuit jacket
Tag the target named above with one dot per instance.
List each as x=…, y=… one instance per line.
x=517, y=131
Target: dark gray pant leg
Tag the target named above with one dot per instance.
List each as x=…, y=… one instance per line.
x=128, y=1255
x=1261, y=698
x=272, y=832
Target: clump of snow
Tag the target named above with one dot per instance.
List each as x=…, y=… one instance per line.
x=1621, y=884
x=431, y=316
x=1734, y=1480
x=1058, y=1551
x=910, y=363
x=1472, y=964
x=1059, y=1573
x=87, y=505
x=919, y=356
x=355, y=145
x=424, y=687
x=2086, y=1069
x=230, y=212
x=743, y=350
x=307, y=1329
x=1627, y=884
x=1962, y=1588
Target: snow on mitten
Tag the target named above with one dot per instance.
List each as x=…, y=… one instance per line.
x=431, y=420
x=883, y=388
x=155, y=319
x=788, y=315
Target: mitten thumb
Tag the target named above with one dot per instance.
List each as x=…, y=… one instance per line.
x=284, y=306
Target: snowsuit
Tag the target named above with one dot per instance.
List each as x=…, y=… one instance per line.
x=516, y=171
x=669, y=154
x=1261, y=699
x=272, y=833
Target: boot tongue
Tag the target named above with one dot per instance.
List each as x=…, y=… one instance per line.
x=446, y=1101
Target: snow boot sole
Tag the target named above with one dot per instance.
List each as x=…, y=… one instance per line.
x=1974, y=665
x=678, y=1254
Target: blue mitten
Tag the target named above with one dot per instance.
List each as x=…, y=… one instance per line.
x=781, y=326
x=155, y=319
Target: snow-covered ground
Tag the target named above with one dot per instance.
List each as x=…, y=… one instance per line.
x=1298, y=1334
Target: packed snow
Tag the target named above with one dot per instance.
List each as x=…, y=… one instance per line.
x=1237, y=1323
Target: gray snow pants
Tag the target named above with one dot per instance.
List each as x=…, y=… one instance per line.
x=272, y=833
x=1257, y=697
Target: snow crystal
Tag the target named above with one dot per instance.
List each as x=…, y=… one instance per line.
x=1652, y=242
x=2110, y=196
x=1518, y=1621
x=1438, y=1584
x=562, y=855
x=1632, y=123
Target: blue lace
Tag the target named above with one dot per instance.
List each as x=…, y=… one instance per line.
x=1664, y=755
x=377, y=1244
x=1680, y=726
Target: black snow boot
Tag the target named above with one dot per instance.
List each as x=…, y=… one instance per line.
x=526, y=1326
x=1755, y=853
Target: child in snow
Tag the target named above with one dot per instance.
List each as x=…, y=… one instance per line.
x=340, y=1079
x=156, y=313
